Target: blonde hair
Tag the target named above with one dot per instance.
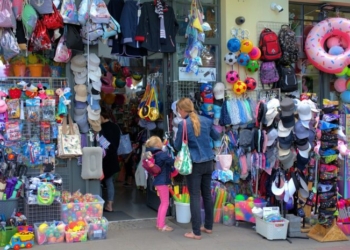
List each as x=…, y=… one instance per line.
x=154, y=142
x=186, y=105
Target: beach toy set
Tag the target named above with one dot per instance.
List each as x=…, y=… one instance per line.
x=244, y=206
x=97, y=228
x=182, y=203
x=183, y=197
x=76, y=231
x=77, y=207
x=49, y=232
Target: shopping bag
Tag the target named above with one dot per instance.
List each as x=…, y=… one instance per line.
x=68, y=141
x=125, y=146
x=183, y=162
x=223, y=158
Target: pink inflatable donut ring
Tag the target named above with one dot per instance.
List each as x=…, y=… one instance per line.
x=314, y=45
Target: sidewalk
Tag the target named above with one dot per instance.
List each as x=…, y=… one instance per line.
x=142, y=235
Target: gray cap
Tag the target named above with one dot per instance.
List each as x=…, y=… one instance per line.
x=287, y=161
x=287, y=106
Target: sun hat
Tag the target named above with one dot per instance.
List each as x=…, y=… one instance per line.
x=95, y=75
x=287, y=161
x=283, y=131
x=78, y=63
x=80, y=92
x=278, y=185
x=312, y=105
x=80, y=79
x=82, y=123
x=94, y=93
x=94, y=62
x=270, y=117
x=305, y=153
x=95, y=125
x=300, y=131
x=291, y=187
x=288, y=121
x=272, y=136
x=81, y=73
x=304, y=112
x=219, y=91
x=287, y=106
x=286, y=142
x=272, y=105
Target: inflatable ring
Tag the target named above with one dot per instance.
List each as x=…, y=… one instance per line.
x=314, y=45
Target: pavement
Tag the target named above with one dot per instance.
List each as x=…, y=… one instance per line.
x=142, y=235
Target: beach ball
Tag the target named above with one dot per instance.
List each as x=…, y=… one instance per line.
x=336, y=50
x=340, y=85
x=232, y=76
x=246, y=46
x=333, y=41
x=344, y=72
x=345, y=96
x=255, y=53
x=230, y=58
x=243, y=59
x=252, y=66
x=251, y=83
x=239, y=87
x=234, y=44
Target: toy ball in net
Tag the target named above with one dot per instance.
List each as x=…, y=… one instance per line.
x=230, y=58
x=239, y=87
x=246, y=46
x=252, y=66
x=233, y=45
x=251, y=83
x=232, y=76
x=243, y=59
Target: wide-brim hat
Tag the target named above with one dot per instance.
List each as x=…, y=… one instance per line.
x=93, y=114
x=95, y=125
x=94, y=62
x=95, y=75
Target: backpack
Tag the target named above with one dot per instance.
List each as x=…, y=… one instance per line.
x=268, y=73
x=288, y=45
x=288, y=80
x=269, y=46
x=148, y=163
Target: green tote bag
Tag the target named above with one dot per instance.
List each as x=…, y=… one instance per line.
x=183, y=162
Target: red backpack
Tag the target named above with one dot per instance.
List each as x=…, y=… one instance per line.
x=269, y=46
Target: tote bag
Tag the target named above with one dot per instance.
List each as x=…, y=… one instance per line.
x=68, y=141
x=224, y=159
x=125, y=146
x=183, y=162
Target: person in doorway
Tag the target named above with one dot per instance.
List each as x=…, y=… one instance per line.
x=162, y=181
x=199, y=132
x=110, y=162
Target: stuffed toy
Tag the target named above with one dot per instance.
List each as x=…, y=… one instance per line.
x=64, y=100
x=41, y=91
x=207, y=97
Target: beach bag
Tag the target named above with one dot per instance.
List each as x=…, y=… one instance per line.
x=91, y=32
x=223, y=159
x=7, y=17
x=40, y=39
x=69, y=12
x=183, y=162
x=75, y=41
x=83, y=12
x=68, y=140
x=17, y=7
x=269, y=46
x=42, y=6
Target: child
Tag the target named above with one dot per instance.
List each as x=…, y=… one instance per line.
x=154, y=145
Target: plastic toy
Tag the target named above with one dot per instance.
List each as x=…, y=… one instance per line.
x=23, y=239
x=50, y=232
x=41, y=91
x=228, y=214
x=98, y=228
x=252, y=66
x=76, y=231
x=246, y=46
x=239, y=87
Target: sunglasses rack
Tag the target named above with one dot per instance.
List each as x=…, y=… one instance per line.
x=325, y=184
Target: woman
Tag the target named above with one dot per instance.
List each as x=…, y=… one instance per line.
x=110, y=162
x=199, y=132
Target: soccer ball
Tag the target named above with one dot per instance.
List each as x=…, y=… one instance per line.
x=239, y=87
x=243, y=59
x=232, y=76
x=230, y=58
x=234, y=44
x=251, y=83
x=252, y=66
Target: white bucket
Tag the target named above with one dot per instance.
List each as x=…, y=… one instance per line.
x=183, y=212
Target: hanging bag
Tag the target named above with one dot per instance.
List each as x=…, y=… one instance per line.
x=183, y=162
x=29, y=19
x=53, y=20
x=154, y=109
x=75, y=41
x=62, y=54
x=40, y=39
x=111, y=29
x=99, y=12
x=144, y=104
x=42, y=6
x=9, y=44
x=224, y=159
x=69, y=12
x=125, y=146
x=83, y=12
x=91, y=32
x=68, y=140
x=7, y=17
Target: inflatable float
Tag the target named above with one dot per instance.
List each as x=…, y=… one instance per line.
x=338, y=57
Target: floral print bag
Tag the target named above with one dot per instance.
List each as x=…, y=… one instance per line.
x=69, y=143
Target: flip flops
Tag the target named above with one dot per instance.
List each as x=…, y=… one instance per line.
x=192, y=236
x=204, y=230
x=166, y=229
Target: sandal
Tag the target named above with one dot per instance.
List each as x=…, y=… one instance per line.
x=166, y=229
x=192, y=236
x=204, y=230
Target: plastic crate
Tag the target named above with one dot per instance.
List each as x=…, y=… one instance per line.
x=75, y=211
x=97, y=228
x=49, y=234
x=72, y=237
x=39, y=213
x=8, y=206
x=272, y=230
x=6, y=235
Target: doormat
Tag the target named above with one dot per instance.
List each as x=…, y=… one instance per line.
x=117, y=216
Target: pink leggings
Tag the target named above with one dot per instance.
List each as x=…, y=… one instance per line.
x=163, y=192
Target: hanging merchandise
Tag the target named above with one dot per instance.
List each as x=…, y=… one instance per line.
x=69, y=12
x=29, y=19
x=111, y=29
x=99, y=12
x=183, y=162
x=91, y=32
x=75, y=41
x=224, y=158
x=62, y=54
x=269, y=46
x=8, y=43
x=40, y=39
x=83, y=12
x=53, y=20
x=68, y=141
x=42, y=7
x=7, y=17
x=17, y=7
x=289, y=45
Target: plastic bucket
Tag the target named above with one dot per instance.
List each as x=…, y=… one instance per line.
x=19, y=70
x=36, y=70
x=183, y=212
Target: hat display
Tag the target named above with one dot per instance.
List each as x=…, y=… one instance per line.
x=272, y=106
x=312, y=105
x=95, y=125
x=288, y=121
x=305, y=153
x=270, y=117
x=82, y=123
x=281, y=151
x=78, y=63
x=219, y=91
x=302, y=144
x=304, y=111
x=283, y=131
x=97, y=85
x=286, y=142
x=287, y=161
x=80, y=79
x=287, y=106
x=95, y=75
x=94, y=62
x=278, y=185
x=80, y=92
x=272, y=136
x=95, y=104
x=300, y=131
x=93, y=114
x=80, y=105
x=79, y=113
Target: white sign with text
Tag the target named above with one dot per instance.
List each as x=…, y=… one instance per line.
x=204, y=74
